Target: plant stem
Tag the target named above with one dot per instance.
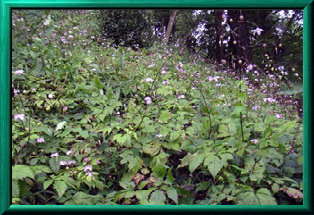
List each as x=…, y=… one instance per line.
x=205, y=103
x=241, y=123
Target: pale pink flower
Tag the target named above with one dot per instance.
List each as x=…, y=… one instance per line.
x=71, y=162
x=63, y=163
x=148, y=80
x=278, y=116
x=40, y=140
x=54, y=155
x=87, y=168
x=181, y=96
x=148, y=100
x=69, y=152
x=89, y=173
x=19, y=117
x=19, y=72
x=250, y=67
x=86, y=159
x=257, y=31
x=159, y=135
x=254, y=141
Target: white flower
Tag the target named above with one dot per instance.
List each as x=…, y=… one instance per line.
x=257, y=31
x=181, y=96
x=63, y=163
x=40, y=140
x=50, y=96
x=150, y=66
x=159, y=136
x=19, y=72
x=148, y=100
x=19, y=117
x=69, y=152
x=54, y=155
x=163, y=71
x=148, y=80
x=254, y=141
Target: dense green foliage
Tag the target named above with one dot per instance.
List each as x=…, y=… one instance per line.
x=93, y=124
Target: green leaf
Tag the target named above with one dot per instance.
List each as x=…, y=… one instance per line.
x=15, y=189
x=265, y=198
x=213, y=164
x=195, y=162
x=60, y=187
x=186, y=160
x=203, y=185
x=262, y=197
x=165, y=116
x=157, y=198
x=97, y=83
x=152, y=149
x=170, y=176
x=47, y=183
x=143, y=195
x=54, y=164
x=84, y=134
x=21, y=171
x=159, y=170
x=258, y=172
x=172, y=194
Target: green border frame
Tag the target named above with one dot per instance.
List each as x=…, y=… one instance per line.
x=5, y=102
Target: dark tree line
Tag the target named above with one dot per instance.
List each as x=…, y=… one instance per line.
x=269, y=39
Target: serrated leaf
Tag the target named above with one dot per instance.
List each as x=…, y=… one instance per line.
x=157, y=198
x=60, y=187
x=172, y=194
x=159, y=170
x=21, y=171
x=258, y=172
x=265, y=198
x=165, y=116
x=195, y=162
x=262, y=197
x=186, y=160
x=152, y=149
x=54, y=164
x=213, y=164
x=47, y=183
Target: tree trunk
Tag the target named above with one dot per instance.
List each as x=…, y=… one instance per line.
x=241, y=49
x=170, y=25
x=219, y=32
